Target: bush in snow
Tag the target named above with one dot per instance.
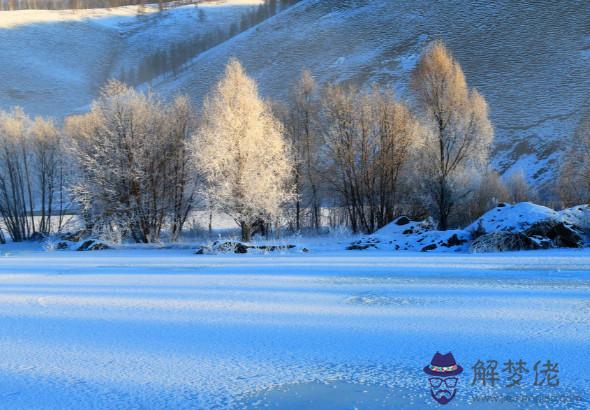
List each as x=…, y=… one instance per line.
x=489, y=192
x=519, y=189
x=50, y=245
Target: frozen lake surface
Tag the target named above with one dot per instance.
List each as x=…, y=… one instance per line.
x=146, y=328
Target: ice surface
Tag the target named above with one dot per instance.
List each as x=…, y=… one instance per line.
x=513, y=218
x=146, y=328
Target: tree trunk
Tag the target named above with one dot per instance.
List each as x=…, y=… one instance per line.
x=298, y=216
x=443, y=222
x=210, y=224
x=246, y=232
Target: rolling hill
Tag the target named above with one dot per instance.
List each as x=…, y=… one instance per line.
x=531, y=61
x=54, y=62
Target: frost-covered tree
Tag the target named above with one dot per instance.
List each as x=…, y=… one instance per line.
x=460, y=130
x=489, y=191
x=303, y=130
x=32, y=175
x=241, y=152
x=518, y=188
x=132, y=163
x=369, y=137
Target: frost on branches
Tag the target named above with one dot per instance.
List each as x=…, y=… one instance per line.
x=33, y=172
x=134, y=170
x=460, y=135
x=241, y=152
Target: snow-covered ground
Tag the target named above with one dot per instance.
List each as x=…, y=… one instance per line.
x=146, y=328
x=54, y=61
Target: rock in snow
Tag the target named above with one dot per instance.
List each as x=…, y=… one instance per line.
x=93, y=245
x=240, y=248
x=522, y=226
x=502, y=242
x=407, y=235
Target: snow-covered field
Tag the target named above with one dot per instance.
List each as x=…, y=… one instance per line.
x=146, y=328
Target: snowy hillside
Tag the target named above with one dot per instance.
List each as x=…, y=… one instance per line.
x=53, y=62
x=530, y=62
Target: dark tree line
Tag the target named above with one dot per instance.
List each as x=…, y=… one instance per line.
x=75, y=4
x=172, y=59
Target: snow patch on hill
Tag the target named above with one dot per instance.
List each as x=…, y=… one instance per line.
x=54, y=62
x=105, y=17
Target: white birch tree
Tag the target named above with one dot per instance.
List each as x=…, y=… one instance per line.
x=460, y=130
x=241, y=152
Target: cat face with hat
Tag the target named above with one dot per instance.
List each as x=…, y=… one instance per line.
x=443, y=370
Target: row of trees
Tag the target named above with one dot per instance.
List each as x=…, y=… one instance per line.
x=140, y=164
x=171, y=60
x=33, y=174
x=381, y=158
x=74, y=4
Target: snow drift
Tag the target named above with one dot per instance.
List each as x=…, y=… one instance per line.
x=523, y=226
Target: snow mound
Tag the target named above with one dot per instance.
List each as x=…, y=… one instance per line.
x=521, y=226
x=513, y=218
x=404, y=234
x=403, y=225
x=577, y=216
